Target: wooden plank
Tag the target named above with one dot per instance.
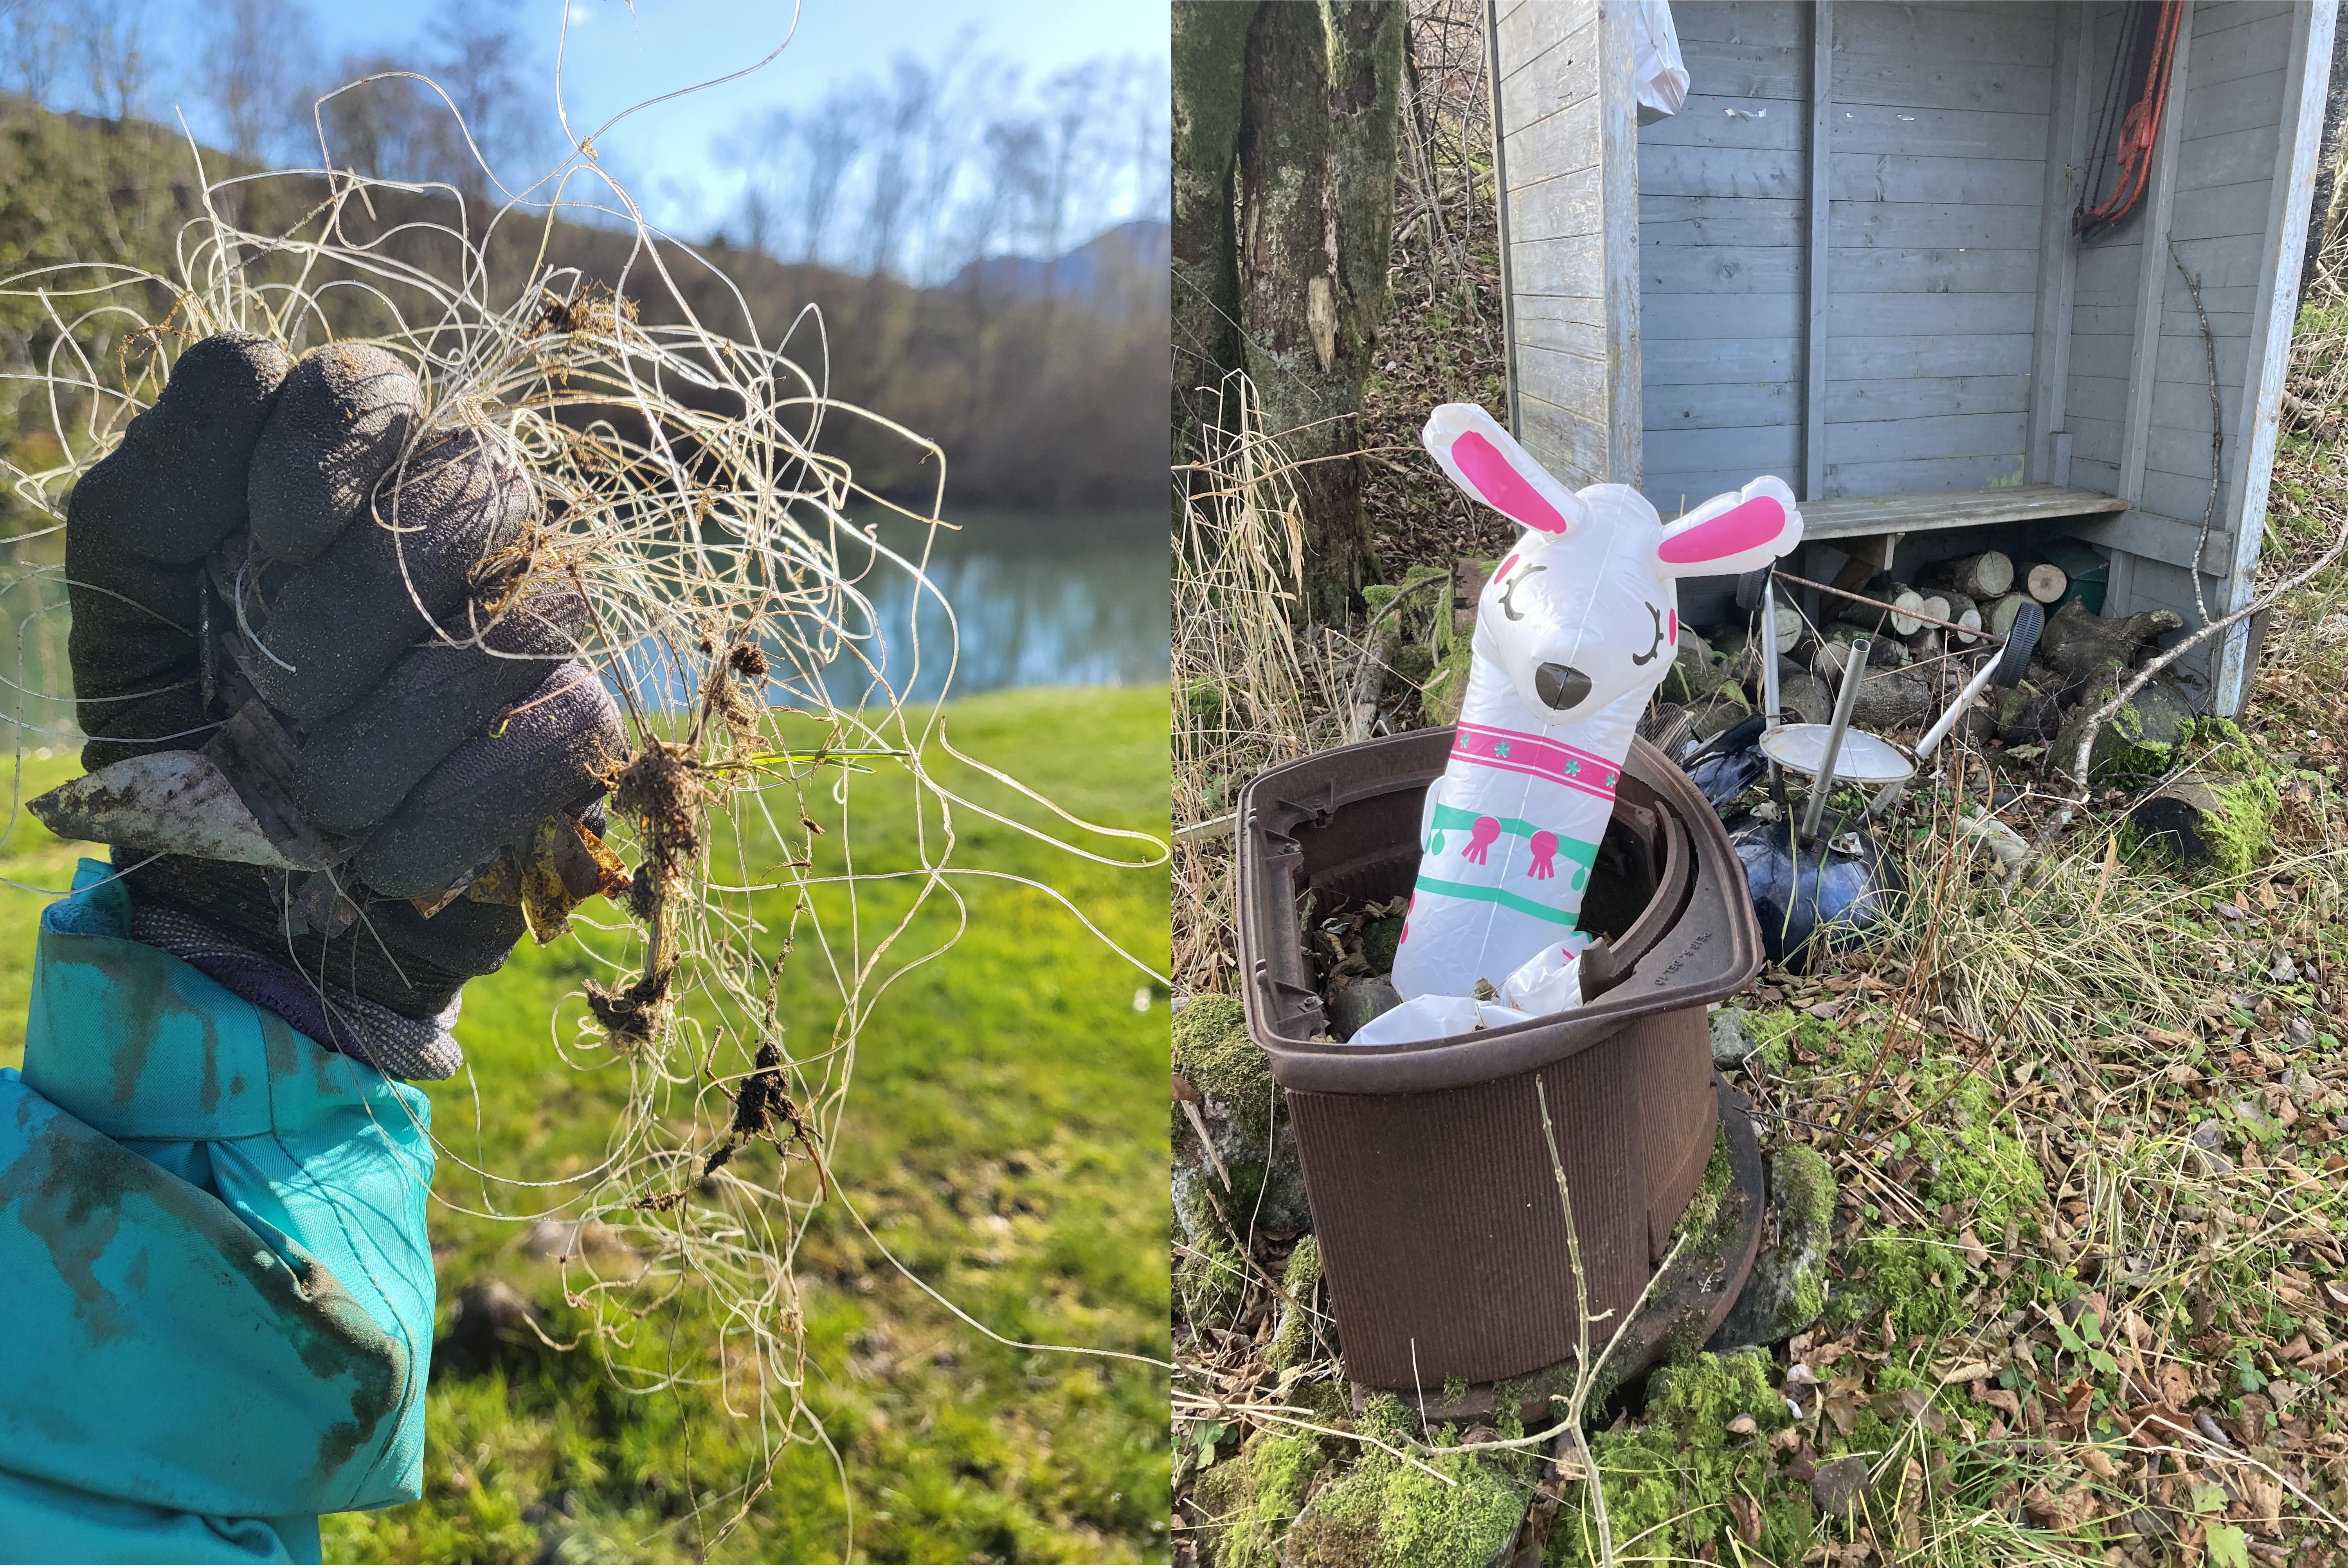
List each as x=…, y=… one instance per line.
x=1969, y=181
x=2066, y=152
x=1916, y=397
x=1718, y=270
x=1924, y=225
x=2291, y=192
x=2093, y=439
x=1528, y=34
x=1974, y=353
x=1708, y=119
x=2154, y=537
x=2253, y=100
x=1707, y=23
x=1925, y=476
x=1818, y=252
x=1494, y=20
x=1858, y=269
x=1569, y=447
x=2152, y=269
x=1565, y=266
x=1882, y=315
x=2236, y=53
x=1703, y=361
x=1561, y=144
x=1857, y=517
x=1556, y=208
x=1558, y=77
x=2225, y=211
x=1573, y=382
x=2234, y=158
x=1934, y=435
x=1759, y=449
x=1619, y=141
x=1954, y=133
x=1721, y=171
x=1947, y=35
x=1755, y=224
x=1722, y=405
x=1677, y=491
x=1681, y=316
x=1899, y=83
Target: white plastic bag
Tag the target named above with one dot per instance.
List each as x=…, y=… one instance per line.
x=1655, y=64
x=1432, y=1018
x=1574, y=631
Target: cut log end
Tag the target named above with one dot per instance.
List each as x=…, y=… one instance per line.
x=2046, y=582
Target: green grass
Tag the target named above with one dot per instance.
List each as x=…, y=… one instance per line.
x=1003, y=1138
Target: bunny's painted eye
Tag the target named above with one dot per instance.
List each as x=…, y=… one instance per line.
x=1652, y=648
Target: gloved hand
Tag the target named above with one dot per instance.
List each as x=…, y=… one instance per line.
x=250, y=577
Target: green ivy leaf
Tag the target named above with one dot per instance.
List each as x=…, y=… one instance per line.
x=2227, y=1548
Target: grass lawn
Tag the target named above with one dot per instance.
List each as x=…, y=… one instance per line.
x=1003, y=1138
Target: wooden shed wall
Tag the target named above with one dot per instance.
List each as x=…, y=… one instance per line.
x=1573, y=298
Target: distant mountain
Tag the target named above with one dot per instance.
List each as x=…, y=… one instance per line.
x=1129, y=267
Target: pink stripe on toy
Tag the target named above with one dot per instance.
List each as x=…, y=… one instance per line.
x=1741, y=528
x=1503, y=488
x=1516, y=752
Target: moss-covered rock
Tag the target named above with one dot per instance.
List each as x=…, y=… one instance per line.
x=1249, y=1499
x=1788, y=1290
x=2139, y=739
x=1292, y=1338
x=1253, y=1174
x=1385, y=1513
x=1669, y=1477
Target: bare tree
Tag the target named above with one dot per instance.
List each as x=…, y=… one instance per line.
x=34, y=39
x=258, y=64
x=831, y=141
x=113, y=34
x=481, y=62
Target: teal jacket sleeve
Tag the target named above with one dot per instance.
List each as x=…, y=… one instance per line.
x=215, y=1287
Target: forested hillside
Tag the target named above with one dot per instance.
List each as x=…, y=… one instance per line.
x=1041, y=399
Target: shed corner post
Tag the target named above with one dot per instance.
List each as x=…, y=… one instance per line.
x=1491, y=17
x=2297, y=157
x=1617, y=119
x=1818, y=242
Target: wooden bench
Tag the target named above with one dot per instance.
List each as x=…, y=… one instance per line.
x=1892, y=518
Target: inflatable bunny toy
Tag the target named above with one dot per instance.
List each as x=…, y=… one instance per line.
x=1576, y=628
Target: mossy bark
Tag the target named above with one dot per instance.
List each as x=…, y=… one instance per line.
x=1316, y=163
x=1209, y=55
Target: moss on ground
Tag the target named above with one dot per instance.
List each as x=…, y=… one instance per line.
x=1250, y=1499
x=1213, y=1053
x=1669, y=1477
x=1805, y=1192
x=1292, y=1342
x=1708, y=1215
x=1386, y=1513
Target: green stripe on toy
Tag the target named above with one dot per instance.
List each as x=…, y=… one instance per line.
x=1517, y=902
x=1484, y=831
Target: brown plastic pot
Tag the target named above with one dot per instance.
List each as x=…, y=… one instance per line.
x=1433, y=1197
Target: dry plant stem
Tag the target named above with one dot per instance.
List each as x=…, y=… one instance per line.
x=2168, y=657
x=1583, y=1372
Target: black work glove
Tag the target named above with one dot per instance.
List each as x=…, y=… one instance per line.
x=250, y=577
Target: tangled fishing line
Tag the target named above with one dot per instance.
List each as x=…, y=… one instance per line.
x=687, y=492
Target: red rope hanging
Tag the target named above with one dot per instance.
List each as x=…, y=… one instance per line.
x=2144, y=70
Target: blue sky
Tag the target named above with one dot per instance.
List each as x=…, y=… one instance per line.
x=617, y=56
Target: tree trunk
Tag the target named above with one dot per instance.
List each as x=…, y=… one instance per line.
x=1316, y=157
x=2085, y=646
x=1210, y=62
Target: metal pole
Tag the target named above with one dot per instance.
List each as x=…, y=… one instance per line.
x=1853, y=671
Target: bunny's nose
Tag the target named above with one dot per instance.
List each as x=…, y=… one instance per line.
x=1561, y=686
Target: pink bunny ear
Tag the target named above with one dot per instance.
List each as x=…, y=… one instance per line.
x=1486, y=461
x=1732, y=534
